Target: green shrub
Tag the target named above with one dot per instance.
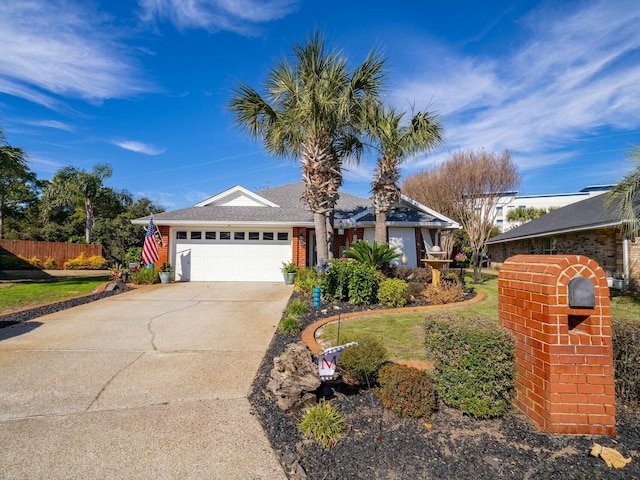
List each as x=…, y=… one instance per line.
x=347, y=280
x=363, y=285
x=444, y=293
x=335, y=284
x=406, y=391
x=360, y=364
x=323, y=423
x=290, y=325
x=626, y=360
x=145, y=276
x=474, y=363
x=393, y=292
x=450, y=277
x=306, y=280
x=297, y=308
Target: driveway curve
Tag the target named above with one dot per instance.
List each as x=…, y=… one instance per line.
x=151, y=383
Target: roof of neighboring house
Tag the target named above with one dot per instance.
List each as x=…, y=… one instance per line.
x=587, y=214
x=283, y=205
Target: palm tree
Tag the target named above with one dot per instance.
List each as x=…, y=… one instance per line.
x=625, y=197
x=14, y=173
x=395, y=142
x=72, y=187
x=313, y=111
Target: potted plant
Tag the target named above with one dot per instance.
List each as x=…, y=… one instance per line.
x=289, y=271
x=165, y=273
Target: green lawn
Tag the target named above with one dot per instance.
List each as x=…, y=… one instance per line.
x=403, y=333
x=23, y=294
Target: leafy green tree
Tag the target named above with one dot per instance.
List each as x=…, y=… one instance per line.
x=395, y=141
x=72, y=187
x=625, y=197
x=313, y=110
x=14, y=174
x=117, y=234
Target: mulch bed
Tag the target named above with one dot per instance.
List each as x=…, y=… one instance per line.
x=447, y=445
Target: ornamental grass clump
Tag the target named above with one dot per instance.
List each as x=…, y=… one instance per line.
x=474, y=362
x=297, y=308
x=323, y=423
x=290, y=325
x=406, y=391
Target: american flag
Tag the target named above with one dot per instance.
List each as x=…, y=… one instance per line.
x=150, y=247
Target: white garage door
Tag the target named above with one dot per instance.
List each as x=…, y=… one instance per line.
x=231, y=255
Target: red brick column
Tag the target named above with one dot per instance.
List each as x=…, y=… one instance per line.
x=564, y=355
x=299, y=250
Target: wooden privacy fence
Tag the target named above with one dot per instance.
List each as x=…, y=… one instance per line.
x=60, y=252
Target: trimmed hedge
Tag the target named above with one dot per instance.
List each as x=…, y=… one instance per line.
x=406, y=391
x=474, y=363
x=393, y=292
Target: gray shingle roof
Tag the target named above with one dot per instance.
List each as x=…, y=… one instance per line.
x=584, y=215
x=291, y=210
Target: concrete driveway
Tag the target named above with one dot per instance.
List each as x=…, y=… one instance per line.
x=148, y=384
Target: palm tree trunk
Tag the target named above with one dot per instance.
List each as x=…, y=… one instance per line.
x=381, y=227
x=321, y=237
x=329, y=216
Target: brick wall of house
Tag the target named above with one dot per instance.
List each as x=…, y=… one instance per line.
x=346, y=239
x=604, y=245
x=163, y=248
x=564, y=355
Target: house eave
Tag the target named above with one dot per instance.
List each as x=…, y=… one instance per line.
x=557, y=232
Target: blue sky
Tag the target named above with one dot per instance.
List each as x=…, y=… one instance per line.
x=144, y=85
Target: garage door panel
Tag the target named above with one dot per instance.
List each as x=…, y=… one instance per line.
x=231, y=261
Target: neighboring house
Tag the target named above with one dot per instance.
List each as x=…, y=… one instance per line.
x=586, y=228
x=240, y=235
x=511, y=200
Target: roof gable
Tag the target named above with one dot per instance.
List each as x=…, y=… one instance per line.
x=237, y=197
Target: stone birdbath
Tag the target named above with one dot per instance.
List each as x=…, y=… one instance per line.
x=436, y=262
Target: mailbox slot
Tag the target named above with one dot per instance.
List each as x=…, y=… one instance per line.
x=582, y=293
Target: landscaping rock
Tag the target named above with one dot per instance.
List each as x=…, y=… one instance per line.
x=294, y=377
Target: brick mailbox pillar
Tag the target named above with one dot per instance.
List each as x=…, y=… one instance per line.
x=557, y=306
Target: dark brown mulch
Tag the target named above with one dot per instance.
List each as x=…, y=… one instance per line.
x=447, y=445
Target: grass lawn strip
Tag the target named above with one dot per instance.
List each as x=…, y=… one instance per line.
x=21, y=295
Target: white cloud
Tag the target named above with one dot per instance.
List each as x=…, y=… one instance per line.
x=52, y=124
x=575, y=75
x=215, y=15
x=138, y=147
x=62, y=48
